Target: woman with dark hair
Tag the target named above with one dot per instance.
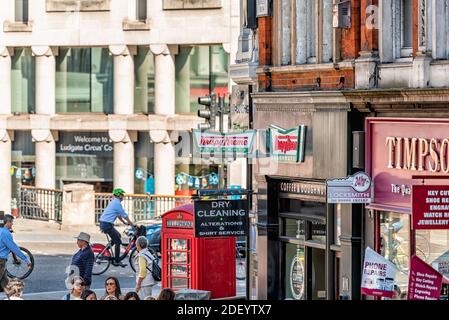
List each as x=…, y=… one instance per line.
x=166, y=294
x=88, y=295
x=132, y=296
x=112, y=288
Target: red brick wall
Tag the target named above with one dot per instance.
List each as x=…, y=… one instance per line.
x=350, y=38
x=265, y=41
x=369, y=36
x=306, y=80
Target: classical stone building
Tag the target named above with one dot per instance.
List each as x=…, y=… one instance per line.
x=91, y=91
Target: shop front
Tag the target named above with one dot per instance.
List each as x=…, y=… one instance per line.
x=307, y=249
x=401, y=153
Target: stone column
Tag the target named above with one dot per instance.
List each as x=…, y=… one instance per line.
x=5, y=80
x=45, y=157
x=164, y=150
x=45, y=79
x=5, y=169
x=123, y=158
x=164, y=162
x=164, y=79
x=123, y=78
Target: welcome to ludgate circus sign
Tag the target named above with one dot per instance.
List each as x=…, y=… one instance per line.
x=85, y=143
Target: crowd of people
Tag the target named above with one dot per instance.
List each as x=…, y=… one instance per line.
x=84, y=258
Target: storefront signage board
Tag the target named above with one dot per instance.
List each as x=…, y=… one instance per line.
x=430, y=207
x=353, y=189
x=89, y=143
x=221, y=218
x=378, y=275
x=263, y=8
x=424, y=281
x=397, y=149
x=287, y=145
x=236, y=143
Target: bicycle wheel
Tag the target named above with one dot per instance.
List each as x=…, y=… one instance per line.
x=132, y=258
x=15, y=268
x=102, y=260
x=241, y=269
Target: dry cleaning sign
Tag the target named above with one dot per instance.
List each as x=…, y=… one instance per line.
x=221, y=218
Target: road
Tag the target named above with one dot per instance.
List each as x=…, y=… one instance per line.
x=52, y=250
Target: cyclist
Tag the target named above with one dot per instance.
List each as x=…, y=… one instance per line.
x=113, y=211
x=7, y=245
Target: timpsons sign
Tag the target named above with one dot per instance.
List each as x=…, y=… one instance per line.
x=397, y=149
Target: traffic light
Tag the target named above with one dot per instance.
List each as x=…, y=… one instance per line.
x=209, y=113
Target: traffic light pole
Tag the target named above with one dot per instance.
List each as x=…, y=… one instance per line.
x=221, y=108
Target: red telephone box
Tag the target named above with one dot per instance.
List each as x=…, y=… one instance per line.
x=196, y=263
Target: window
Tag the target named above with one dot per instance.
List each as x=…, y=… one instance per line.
x=144, y=81
x=21, y=11
x=141, y=10
x=406, y=27
x=23, y=81
x=200, y=70
x=84, y=80
x=305, y=31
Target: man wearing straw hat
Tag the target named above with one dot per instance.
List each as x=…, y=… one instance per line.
x=84, y=258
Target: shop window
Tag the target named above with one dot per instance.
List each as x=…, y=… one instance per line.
x=144, y=81
x=200, y=70
x=84, y=80
x=23, y=160
x=395, y=246
x=21, y=11
x=144, y=164
x=295, y=272
x=293, y=228
x=23, y=81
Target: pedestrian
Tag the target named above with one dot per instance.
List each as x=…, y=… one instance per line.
x=112, y=288
x=110, y=298
x=166, y=294
x=7, y=245
x=84, y=258
x=144, y=264
x=77, y=288
x=88, y=295
x=14, y=289
x=113, y=211
x=150, y=298
x=132, y=296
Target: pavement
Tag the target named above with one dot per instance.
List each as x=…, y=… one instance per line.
x=52, y=249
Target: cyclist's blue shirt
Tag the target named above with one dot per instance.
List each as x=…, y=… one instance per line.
x=7, y=245
x=113, y=211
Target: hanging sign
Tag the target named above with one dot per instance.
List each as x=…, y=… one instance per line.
x=287, y=145
x=424, y=281
x=237, y=143
x=430, y=207
x=221, y=218
x=353, y=189
x=378, y=275
x=263, y=8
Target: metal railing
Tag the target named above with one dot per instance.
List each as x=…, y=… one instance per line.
x=40, y=204
x=141, y=207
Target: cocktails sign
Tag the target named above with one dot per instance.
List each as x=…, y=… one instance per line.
x=287, y=145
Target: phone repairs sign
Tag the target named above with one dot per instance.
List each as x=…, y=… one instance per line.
x=221, y=218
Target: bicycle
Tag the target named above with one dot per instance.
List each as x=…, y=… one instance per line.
x=104, y=254
x=240, y=252
x=15, y=268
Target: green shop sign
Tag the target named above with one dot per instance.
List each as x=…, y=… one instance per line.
x=287, y=145
x=238, y=143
